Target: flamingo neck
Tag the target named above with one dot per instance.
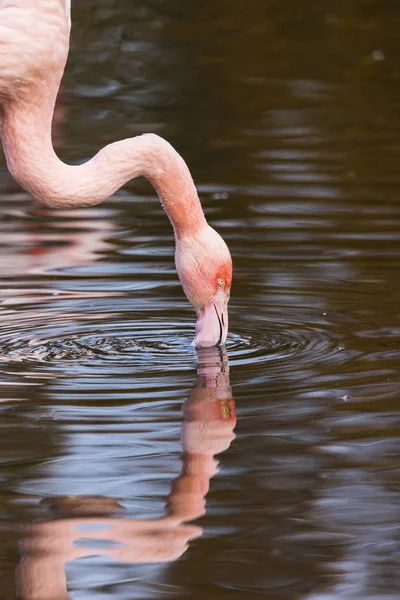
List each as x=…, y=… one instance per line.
x=25, y=130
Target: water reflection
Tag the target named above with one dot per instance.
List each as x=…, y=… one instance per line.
x=87, y=526
x=76, y=239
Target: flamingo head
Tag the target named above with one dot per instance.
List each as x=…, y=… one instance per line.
x=204, y=267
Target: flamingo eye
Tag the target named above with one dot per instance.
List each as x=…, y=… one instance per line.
x=221, y=282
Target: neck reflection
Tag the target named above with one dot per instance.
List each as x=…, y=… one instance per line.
x=88, y=526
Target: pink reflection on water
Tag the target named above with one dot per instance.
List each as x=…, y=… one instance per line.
x=90, y=527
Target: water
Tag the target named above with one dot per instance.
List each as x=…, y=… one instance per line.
x=112, y=426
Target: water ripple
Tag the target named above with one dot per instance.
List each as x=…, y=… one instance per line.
x=283, y=342
x=73, y=339
x=93, y=340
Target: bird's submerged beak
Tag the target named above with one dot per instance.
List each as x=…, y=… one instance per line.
x=212, y=323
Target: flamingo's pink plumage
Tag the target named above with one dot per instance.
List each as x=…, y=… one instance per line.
x=34, y=44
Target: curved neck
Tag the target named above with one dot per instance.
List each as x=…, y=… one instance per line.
x=25, y=131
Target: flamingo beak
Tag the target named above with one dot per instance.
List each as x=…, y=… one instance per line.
x=212, y=323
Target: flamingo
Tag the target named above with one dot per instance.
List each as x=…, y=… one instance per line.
x=34, y=45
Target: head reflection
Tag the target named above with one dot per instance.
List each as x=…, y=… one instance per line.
x=88, y=526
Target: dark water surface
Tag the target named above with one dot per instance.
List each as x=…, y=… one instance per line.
x=288, y=114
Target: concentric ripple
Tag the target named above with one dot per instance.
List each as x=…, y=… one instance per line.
x=283, y=344
x=72, y=338
x=91, y=340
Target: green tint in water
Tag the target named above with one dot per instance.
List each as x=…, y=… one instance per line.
x=288, y=115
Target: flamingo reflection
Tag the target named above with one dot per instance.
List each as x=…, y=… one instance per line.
x=88, y=526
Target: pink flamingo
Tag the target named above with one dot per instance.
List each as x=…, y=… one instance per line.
x=34, y=44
